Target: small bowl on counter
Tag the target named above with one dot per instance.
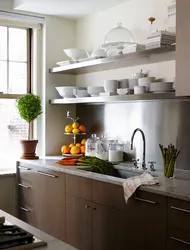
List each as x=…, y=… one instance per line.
x=95, y=90
x=123, y=91
x=67, y=91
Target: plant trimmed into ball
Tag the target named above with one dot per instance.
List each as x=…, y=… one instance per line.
x=29, y=108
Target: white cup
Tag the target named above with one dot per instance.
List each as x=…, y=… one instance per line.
x=139, y=90
x=123, y=83
x=110, y=86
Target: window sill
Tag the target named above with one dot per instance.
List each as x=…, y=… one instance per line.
x=9, y=96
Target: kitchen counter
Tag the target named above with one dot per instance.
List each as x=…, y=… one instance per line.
x=173, y=187
x=52, y=243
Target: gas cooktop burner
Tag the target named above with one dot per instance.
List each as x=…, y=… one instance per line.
x=13, y=237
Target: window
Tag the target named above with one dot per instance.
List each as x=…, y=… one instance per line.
x=14, y=79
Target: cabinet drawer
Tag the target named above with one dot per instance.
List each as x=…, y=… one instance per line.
x=178, y=240
x=110, y=195
x=26, y=215
x=25, y=193
x=179, y=215
x=79, y=186
x=25, y=173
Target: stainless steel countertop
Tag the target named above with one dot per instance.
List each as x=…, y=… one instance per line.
x=174, y=187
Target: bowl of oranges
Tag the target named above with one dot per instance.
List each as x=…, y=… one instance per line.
x=75, y=128
x=77, y=149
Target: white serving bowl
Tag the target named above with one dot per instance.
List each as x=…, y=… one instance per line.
x=133, y=83
x=123, y=91
x=75, y=54
x=95, y=91
x=80, y=92
x=139, y=90
x=110, y=86
x=66, y=92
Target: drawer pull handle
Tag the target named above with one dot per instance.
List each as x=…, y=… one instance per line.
x=24, y=186
x=24, y=168
x=87, y=206
x=181, y=241
x=45, y=174
x=180, y=209
x=147, y=201
x=24, y=209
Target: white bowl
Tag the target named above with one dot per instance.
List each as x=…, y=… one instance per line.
x=139, y=90
x=110, y=85
x=133, y=83
x=75, y=53
x=80, y=92
x=66, y=92
x=94, y=91
x=123, y=91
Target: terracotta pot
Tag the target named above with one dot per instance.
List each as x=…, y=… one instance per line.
x=29, y=149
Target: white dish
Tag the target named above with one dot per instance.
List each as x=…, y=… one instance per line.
x=123, y=83
x=94, y=91
x=133, y=83
x=80, y=93
x=146, y=82
x=69, y=155
x=75, y=53
x=107, y=94
x=99, y=53
x=110, y=85
x=161, y=86
x=139, y=90
x=66, y=91
x=123, y=91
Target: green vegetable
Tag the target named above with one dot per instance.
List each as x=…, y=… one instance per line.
x=29, y=108
x=169, y=156
x=97, y=165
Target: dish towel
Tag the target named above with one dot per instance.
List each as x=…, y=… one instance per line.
x=131, y=184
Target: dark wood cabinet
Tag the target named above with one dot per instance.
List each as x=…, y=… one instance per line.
x=178, y=226
x=78, y=222
x=42, y=199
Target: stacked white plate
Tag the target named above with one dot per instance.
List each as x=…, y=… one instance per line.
x=161, y=87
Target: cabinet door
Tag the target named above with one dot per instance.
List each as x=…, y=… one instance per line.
x=146, y=222
x=182, y=48
x=48, y=192
x=78, y=222
x=108, y=229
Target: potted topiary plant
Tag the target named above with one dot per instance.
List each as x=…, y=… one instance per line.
x=29, y=108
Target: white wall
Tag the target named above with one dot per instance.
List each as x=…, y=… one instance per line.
x=59, y=33
x=91, y=32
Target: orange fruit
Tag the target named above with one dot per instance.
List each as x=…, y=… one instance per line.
x=71, y=145
x=76, y=131
x=83, y=142
x=82, y=149
x=65, y=149
x=75, y=125
x=68, y=128
x=82, y=128
x=78, y=145
x=75, y=150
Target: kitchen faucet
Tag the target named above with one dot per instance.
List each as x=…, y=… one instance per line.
x=144, y=145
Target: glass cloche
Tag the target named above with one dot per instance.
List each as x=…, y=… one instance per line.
x=118, y=38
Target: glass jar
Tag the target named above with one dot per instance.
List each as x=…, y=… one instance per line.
x=102, y=146
x=115, y=153
x=91, y=145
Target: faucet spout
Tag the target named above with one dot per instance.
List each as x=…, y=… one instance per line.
x=144, y=145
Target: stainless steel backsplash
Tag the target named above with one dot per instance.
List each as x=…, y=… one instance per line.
x=163, y=122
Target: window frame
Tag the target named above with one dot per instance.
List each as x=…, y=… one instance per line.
x=28, y=61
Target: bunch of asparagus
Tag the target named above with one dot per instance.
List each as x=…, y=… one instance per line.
x=169, y=156
x=97, y=165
